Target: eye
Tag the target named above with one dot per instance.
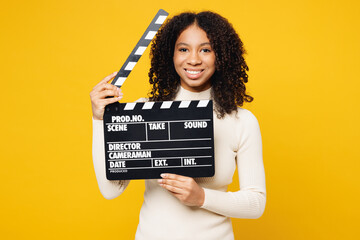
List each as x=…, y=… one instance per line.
x=182, y=50
x=207, y=50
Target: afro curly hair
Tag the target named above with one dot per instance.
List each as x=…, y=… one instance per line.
x=229, y=78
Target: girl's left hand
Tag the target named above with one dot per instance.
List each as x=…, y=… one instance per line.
x=183, y=188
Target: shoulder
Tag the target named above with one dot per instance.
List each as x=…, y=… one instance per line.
x=246, y=122
x=242, y=122
x=248, y=128
x=245, y=116
x=240, y=118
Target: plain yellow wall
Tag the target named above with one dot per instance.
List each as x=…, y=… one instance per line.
x=304, y=75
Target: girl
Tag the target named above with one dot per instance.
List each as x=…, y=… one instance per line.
x=194, y=57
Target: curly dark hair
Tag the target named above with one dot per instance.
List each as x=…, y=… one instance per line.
x=229, y=78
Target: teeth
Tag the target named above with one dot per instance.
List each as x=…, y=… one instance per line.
x=193, y=72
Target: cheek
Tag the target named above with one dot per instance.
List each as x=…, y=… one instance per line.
x=177, y=59
x=211, y=61
x=214, y=60
x=177, y=64
x=213, y=66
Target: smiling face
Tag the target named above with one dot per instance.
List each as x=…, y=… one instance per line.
x=194, y=59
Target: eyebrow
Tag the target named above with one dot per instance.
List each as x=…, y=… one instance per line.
x=202, y=44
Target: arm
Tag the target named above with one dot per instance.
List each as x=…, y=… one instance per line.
x=249, y=201
x=109, y=189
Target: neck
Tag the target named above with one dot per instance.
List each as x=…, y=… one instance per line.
x=184, y=94
x=195, y=89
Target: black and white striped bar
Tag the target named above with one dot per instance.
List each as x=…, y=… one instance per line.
x=143, y=140
x=140, y=48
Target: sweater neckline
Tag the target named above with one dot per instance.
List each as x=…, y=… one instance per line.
x=184, y=94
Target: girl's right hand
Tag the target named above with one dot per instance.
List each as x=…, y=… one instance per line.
x=99, y=93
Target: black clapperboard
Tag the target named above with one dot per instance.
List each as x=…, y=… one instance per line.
x=143, y=140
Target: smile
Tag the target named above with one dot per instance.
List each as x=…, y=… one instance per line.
x=193, y=72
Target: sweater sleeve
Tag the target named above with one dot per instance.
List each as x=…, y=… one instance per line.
x=249, y=201
x=109, y=189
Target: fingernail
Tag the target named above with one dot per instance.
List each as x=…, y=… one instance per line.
x=163, y=175
x=159, y=180
x=119, y=91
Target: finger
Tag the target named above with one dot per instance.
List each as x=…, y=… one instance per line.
x=172, y=189
x=174, y=177
x=107, y=78
x=106, y=86
x=109, y=87
x=170, y=182
x=108, y=101
x=108, y=93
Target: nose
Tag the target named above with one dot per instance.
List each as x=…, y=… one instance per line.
x=194, y=58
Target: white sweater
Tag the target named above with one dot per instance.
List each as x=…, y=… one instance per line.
x=238, y=144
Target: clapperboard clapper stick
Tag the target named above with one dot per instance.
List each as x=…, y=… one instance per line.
x=143, y=140
x=140, y=48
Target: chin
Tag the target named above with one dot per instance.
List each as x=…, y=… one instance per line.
x=195, y=85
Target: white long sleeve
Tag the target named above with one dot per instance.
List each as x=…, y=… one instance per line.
x=249, y=201
x=109, y=189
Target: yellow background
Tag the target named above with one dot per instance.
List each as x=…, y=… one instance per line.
x=304, y=75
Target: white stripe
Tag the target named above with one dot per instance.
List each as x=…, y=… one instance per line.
x=166, y=104
x=140, y=50
x=162, y=157
x=169, y=130
x=203, y=103
x=146, y=134
x=129, y=106
x=165, y=121
x=208, y=165
x=160, y=149
x=148, y=105
x=184, y=104
x=130, y=66
x=120, y=81
x=186, y=139
x=160, y=19
x=150, y=35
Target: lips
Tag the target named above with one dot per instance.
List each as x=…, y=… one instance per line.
x=193, y=73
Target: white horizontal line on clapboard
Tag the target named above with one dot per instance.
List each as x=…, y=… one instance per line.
x=165, y=104
x=186, y=139
x=167, y=158
x=160, y=149
x=193, y=120
x=208, y=165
